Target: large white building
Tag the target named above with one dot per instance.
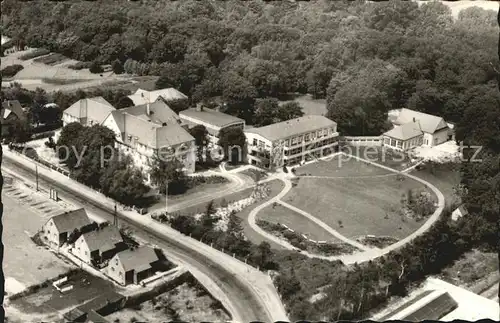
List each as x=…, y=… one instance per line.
x=144, y=130
x=214, y=121
x=291, y=142
x=88, y=111
x=413, y=128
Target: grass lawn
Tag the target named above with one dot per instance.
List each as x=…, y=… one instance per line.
x=341, y=166
x=183, y=303
x=295, y=221
x=49, y=300
x=445, y=178
x=24, y=262
x=275, y=186
x=380, y=155
x=191, y=194
x=311, y=106
x=361, y=204
x=254, y=174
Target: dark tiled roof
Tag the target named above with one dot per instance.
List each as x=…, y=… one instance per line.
x=69, y=221
x=138, y=259
x=104, y=239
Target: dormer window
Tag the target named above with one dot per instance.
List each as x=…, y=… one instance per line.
x=129, y=137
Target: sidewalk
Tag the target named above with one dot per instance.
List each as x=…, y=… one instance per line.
x=256, y=280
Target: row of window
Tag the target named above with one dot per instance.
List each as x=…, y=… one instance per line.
x=404, y=144
x=310, y=136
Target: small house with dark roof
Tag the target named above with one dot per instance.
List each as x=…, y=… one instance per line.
x=96, y=247
x=133, y=266
x=58, y=228
x=214, y=121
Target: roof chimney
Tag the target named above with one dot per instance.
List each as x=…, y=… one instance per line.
x=414, y=119
x=148, y=111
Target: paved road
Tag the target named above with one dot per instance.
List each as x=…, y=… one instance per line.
x=358, y=257
x=250, y=297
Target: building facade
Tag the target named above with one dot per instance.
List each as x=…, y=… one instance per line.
x=87, y=112
x=133, y=266
x=435, y=130
x=404, y=137
x=56, y=231
x=292, y=142
x=147, y=130
x=96, y=247
x=214, y=121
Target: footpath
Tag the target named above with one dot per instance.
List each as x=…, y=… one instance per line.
x=366, y=254
x=260, y=283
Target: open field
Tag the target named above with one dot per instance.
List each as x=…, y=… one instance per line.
x=184, y=303
x=50, y=300
x=283, y=215
x=191, y=194
x=341, y=166
x=381, y=155
x=56, y=76
x=25, y=263
x=310, y=106
x=356, y=206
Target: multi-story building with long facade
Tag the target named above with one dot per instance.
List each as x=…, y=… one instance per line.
x=291, y=142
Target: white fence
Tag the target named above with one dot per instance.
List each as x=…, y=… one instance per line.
x=371, y=141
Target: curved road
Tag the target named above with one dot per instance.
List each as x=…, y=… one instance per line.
x=358, y=257
x=246, y=304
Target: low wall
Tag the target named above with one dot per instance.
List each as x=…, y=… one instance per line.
x=139, y=298
x=372, y=141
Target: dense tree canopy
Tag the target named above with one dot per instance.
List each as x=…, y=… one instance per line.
x=365, y=58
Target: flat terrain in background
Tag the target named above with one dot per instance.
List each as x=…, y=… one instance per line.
x=58, y=76
x=357, y=194
x=24, y=262
x=309, y=105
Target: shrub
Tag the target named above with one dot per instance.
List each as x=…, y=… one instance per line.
x=80, y=65
x=37, y=52
x=95, y=68
x=11, y=70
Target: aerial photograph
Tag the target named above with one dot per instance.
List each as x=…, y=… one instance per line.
x=249, y=161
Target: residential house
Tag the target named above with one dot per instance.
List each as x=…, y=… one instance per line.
x=58, y=228
x=88, y=112
x=12, y=111
x=213, y=120
x=291, y=142
x=142, y=96
x=97, y=246
x=145, y=130
x=404, y=137
x=435, y=129
x=133, y=266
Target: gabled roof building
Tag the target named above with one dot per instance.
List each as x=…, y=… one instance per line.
x=88, y=111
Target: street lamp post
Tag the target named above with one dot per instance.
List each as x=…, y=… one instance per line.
x=36, y=175
x=166, y=195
